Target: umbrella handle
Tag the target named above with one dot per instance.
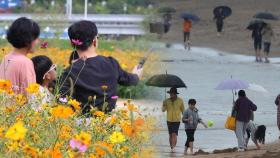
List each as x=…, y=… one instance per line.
x=164, y=93
x=232, y=95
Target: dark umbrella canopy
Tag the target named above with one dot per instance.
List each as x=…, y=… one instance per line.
x=189, y=16
x=255, y=24
x=266, y=16
x=165, y=80
x=225, y=11
x=166, y=10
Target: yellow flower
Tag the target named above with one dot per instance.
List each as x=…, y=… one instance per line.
x=32, y=152
x=16, y=132
x=113, y=120
x=21, y=100
x=6, y=86
x=117, y=137
x=33, y=88
x=75, y=104
x=101, y=148
x=131, y=107
x=135, y=155
x=104, y=87
x=56, y=153
x=84, y=137
x=99, y=114
x=62, y=112
x=129, y=130
x=1, y=132
x=14, y=145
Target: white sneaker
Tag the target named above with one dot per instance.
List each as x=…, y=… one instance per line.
x=173, y=150
x=240, y=150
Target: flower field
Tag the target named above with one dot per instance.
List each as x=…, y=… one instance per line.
x=32, y=129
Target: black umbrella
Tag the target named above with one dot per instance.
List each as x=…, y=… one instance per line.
x=254, y=24
x=266, y=16
x=165, y=80
x=222, y=10
x=166, y=10
x=190, y=16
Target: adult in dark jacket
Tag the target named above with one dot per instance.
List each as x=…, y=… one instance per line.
x=219, y=21
x=94, y=77
x=243, y=108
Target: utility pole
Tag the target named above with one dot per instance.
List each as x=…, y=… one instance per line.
x=86, y=8
x=69, y=9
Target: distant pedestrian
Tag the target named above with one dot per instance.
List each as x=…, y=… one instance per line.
x=257, y=37
x=243, y=107
x=187, y=25
x=267, y=35
x=175, y=108
x=219, y=21
x=167, y=17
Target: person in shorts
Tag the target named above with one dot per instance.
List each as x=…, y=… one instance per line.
x=174, y=106
x=191, y=120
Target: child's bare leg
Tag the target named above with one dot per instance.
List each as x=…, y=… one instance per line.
x=191, y=147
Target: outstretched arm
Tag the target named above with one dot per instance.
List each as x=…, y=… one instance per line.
x=126, y=78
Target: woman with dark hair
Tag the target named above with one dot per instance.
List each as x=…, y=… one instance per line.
x=16, y=66
x=257, y=134
x=277, y=102
x=73, y=57
x=45, y=73
x=92, y=71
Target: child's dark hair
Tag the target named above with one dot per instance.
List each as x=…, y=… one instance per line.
x=260, y=134
x=83, y=31
x=74, y=56
x=23, y=32
x=192, y=102
x=42, y=64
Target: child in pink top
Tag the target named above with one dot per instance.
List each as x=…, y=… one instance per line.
x=16, y=66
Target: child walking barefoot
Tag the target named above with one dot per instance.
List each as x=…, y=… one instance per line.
x=191, y=120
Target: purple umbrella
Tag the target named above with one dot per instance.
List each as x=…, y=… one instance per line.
x=232, y=84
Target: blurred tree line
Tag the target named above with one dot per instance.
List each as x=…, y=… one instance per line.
x=94, y=6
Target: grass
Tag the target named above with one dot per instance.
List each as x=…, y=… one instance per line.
x=103, y=44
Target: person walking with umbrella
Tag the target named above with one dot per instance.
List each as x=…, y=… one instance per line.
x=219, y=21
x=174, y=106
x=243, y=108
x=267, y=34
x=187, y=25
x=257, y=37
x=220, y=13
